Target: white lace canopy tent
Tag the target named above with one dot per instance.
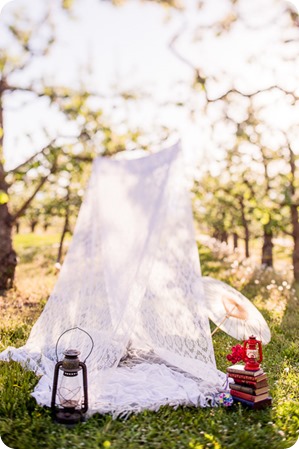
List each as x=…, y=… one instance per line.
x=131, y=279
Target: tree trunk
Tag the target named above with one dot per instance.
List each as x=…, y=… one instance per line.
x=33, y=226
x=235, y=240
x=246, y=228
x=294, y=215
x=65, y=230
x=8, y=259
x=267, y=249
x=223, y=237
x=295, y=235
x=246, y=241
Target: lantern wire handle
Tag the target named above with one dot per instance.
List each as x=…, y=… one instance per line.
x=71, y=329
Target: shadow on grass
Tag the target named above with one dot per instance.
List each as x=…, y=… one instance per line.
x=32, y=253
x=210, y=266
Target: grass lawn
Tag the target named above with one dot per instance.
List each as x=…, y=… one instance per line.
x=25, y=425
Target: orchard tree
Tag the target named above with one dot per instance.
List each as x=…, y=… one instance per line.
x=250, y=165
x=239, y=110
x=289, y=197
x=23, y=53
x=223, y=203
x=31, y=41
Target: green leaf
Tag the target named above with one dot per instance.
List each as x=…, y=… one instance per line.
x=3, y=197
x=265, y=219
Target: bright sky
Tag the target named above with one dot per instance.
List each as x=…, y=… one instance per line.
x=119, y=47
x=127, y=48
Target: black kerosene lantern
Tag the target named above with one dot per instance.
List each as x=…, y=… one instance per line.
x=69, y=393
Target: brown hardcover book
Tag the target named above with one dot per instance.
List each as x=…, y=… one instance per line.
x=240, y=369
x=255, y=405
x=251, y=384
x=249, y=397
x=249, y=390
x=244, y=377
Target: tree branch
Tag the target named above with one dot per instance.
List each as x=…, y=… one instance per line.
x=173, y=49
x=252, y=94
x=201, y=78
x=23, y=208
x=83, y=158
x=16, y=169
x=28, y=201
x=55, y=92
x=287, y=232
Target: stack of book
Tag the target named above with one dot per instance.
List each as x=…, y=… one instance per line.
x=250, y=387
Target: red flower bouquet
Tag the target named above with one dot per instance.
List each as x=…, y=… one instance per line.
x=237, y=354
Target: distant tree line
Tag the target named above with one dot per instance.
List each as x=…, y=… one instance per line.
x=247, y=185
x=253, y=193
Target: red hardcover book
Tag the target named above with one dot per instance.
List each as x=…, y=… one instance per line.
x=249, y=390
x=240, y=369
x=249, y=397
x=241, y=377
x=249, y=383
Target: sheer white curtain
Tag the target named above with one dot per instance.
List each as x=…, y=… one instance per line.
x=131, y=279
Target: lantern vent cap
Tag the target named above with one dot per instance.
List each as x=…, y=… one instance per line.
x=71, y=353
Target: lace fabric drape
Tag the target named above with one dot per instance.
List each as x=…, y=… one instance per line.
x=132, y=280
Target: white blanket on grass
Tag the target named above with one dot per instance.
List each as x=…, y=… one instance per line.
x=131, y=279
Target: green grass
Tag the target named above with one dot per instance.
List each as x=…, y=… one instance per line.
x=25, y=425
x=30, y=240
